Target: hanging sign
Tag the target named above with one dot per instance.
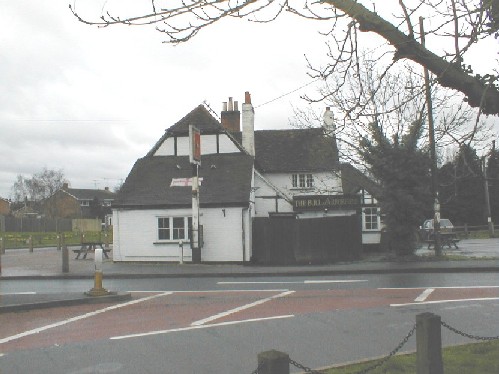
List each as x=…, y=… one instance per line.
x=194, y=145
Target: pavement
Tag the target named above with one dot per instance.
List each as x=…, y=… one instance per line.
x=473, y=255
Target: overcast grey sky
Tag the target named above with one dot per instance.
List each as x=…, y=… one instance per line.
x=91, y=101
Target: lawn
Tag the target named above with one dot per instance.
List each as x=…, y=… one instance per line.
x=476, y=358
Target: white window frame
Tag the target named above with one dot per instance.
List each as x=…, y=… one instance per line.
x=84, y=202
x=303, y=180
x=375, y=219
x=173, y=232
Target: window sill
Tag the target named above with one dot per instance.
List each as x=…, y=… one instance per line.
x=170, y=242
x=302, y=188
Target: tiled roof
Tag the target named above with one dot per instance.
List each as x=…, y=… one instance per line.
x=90, y=194
x=295, y=150
x=353, y=180
x=226, y=181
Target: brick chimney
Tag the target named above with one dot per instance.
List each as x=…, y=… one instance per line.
x=230, y=116
x=248, y=125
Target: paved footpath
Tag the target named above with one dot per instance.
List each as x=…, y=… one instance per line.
x=46, y=263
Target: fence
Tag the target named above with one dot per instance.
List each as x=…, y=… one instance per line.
x=466, y=231
x=428, y=355
x=34, y=224
x=15, y=240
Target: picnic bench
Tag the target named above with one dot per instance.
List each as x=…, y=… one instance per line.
x=448, y=239
x=89, y=247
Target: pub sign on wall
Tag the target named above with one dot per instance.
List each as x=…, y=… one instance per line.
x=329, y=202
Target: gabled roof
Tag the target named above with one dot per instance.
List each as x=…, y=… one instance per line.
x=295, y=150
x=90, y=194
x=226, y=181
x=353, y=180
x=199, y=117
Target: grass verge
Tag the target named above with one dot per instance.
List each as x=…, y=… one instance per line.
x=475, y=358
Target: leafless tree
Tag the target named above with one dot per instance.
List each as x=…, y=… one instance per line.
x=40, y=186
x=366, y=95
x=458, y=24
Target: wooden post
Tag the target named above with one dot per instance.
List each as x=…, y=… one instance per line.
x=429, y=344
x=30, y=240
x=106, y=240
x=65, y=260
x=2, y=245
x=466, y=232
x=59, y=247
x=273, y=362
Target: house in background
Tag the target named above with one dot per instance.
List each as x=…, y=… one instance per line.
x=4, y=207
x=80, y=203
x=291, y=177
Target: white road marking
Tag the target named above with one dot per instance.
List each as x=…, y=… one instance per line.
x=300, y=282
x=424, y=295
x=238, y=309
x=199, y=327
x=218, y=291
x=78, y=318
x=335, y=281
x=443, y=288
x=446, y=301
x=17, y=293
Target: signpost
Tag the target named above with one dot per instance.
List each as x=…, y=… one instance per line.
x=195, y=160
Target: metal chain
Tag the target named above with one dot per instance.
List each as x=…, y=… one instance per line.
x=468, y=335
x=306, y=369
x=391, y=354
x=257, y=370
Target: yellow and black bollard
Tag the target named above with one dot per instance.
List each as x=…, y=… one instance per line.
x=98, y=290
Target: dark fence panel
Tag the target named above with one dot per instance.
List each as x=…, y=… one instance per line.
x=33, y=224
x=287, y=240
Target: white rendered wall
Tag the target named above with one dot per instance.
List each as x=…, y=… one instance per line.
x=136, y=236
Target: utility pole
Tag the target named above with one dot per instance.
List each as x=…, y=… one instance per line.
x=195, y=160
x=433, y=152
x=487, y=198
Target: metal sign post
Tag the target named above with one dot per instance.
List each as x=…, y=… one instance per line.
x=195, y=160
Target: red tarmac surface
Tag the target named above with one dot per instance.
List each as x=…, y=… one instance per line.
x=156, y=311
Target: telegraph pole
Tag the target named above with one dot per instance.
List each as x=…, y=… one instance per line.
x=487, y=198
x=195, y=160
x=433, y=152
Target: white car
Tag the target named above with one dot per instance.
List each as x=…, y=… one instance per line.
x=427, y=228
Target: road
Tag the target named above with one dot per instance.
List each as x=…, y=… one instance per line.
x=210, y=325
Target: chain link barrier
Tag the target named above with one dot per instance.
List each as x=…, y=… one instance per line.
x=392, y=353
x=366, y=370
x=475, y=337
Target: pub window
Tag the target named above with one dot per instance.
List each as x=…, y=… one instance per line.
x=302, y=180
x=371, y=219
x=174, y=228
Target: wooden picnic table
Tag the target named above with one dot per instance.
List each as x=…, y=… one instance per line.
x=448, y=239
x=89, y=247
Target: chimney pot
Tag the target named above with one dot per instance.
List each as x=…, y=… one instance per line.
x=247, y=97
x=230, y=116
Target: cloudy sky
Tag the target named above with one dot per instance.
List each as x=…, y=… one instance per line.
x=91, y=101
